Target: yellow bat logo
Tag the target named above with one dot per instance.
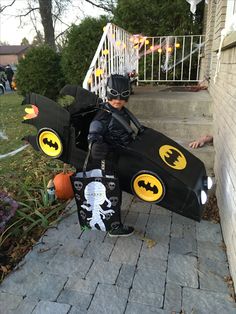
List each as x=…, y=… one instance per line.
x=173, y=157
x=50, y=143
x=148, y=187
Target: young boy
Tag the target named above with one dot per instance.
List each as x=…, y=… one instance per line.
x=106, y=132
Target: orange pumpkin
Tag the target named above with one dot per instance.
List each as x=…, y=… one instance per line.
x=63, y=187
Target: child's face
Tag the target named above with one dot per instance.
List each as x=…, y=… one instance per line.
x=117, y=103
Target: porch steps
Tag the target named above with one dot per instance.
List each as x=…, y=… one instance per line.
x=157, y=102
x=180, y=128
x=182, y=116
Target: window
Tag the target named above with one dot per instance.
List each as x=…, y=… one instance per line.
x=230, y=20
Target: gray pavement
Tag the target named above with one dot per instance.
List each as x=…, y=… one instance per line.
x=184, y=270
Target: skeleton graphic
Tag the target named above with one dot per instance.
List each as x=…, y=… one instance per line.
x=95, y=195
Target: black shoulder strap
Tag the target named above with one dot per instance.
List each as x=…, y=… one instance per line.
x=121, y=121
x=134, y=120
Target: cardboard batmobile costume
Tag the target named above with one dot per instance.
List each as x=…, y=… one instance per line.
x=153, y=167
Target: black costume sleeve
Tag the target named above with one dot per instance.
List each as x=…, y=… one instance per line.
x=97, y=130
x=98, y=127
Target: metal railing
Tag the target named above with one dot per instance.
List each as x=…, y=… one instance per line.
x=115, y=55
x=170, y=59
x=155, y=59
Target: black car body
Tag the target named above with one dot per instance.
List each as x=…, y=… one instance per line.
x=153, y=167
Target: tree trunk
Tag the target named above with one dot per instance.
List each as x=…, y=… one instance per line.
x=45, y=8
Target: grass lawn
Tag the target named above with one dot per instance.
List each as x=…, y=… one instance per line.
x=16, y=170
x=23, y=177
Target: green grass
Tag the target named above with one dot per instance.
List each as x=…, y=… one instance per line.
x=27, y=163
x=11, y=113
x=24, y=177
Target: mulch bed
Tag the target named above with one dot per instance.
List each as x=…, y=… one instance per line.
x=211, y=212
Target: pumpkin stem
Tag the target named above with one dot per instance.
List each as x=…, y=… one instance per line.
x=65, y=168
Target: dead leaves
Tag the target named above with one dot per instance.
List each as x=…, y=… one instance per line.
x=149, y=242
x=211, y=212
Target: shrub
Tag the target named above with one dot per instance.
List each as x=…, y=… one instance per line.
x=40, y=72
x=81, y=44
x=158, y=18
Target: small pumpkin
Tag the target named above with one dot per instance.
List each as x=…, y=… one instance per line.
x=63, y=186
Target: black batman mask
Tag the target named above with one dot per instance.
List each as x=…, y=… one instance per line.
x=118, y=87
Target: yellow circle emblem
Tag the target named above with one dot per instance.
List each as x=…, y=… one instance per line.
x=173, y=157
x=50, y=143
x=148, y=187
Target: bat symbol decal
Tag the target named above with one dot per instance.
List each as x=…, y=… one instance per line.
x=50, y=143
x=173, y=157
x=148, y=187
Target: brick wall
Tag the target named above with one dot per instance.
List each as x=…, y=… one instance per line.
x=223, y=93
x=205, y=71
x=11, y=59
x=224, y=112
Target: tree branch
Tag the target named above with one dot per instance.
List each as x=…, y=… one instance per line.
x=100, y=6
x=22, y=15
x=2, y=8
x=33, y=19
x=62, y=33
x=57, y=18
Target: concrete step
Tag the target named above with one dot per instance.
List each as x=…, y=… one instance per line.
x=153, y=102
x=181, y=128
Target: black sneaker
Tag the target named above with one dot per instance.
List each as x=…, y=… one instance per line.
x=121, y=231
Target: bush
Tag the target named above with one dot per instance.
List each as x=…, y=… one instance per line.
x=81, y=44
x=158, y=18
x=40, y=72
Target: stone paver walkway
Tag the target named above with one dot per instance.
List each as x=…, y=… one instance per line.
x=74, y=272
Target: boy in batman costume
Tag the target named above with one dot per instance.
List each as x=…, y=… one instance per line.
x=106, y=132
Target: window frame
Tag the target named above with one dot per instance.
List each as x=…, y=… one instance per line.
x=230, y=11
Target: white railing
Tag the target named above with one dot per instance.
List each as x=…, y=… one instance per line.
x=170, y=58
x=155, y=59
x=115, y=54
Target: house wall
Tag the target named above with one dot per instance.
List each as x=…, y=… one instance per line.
x=10, y=59
x=208, y=30
x=223, y=92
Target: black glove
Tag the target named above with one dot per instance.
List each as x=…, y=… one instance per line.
x=99, y=151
